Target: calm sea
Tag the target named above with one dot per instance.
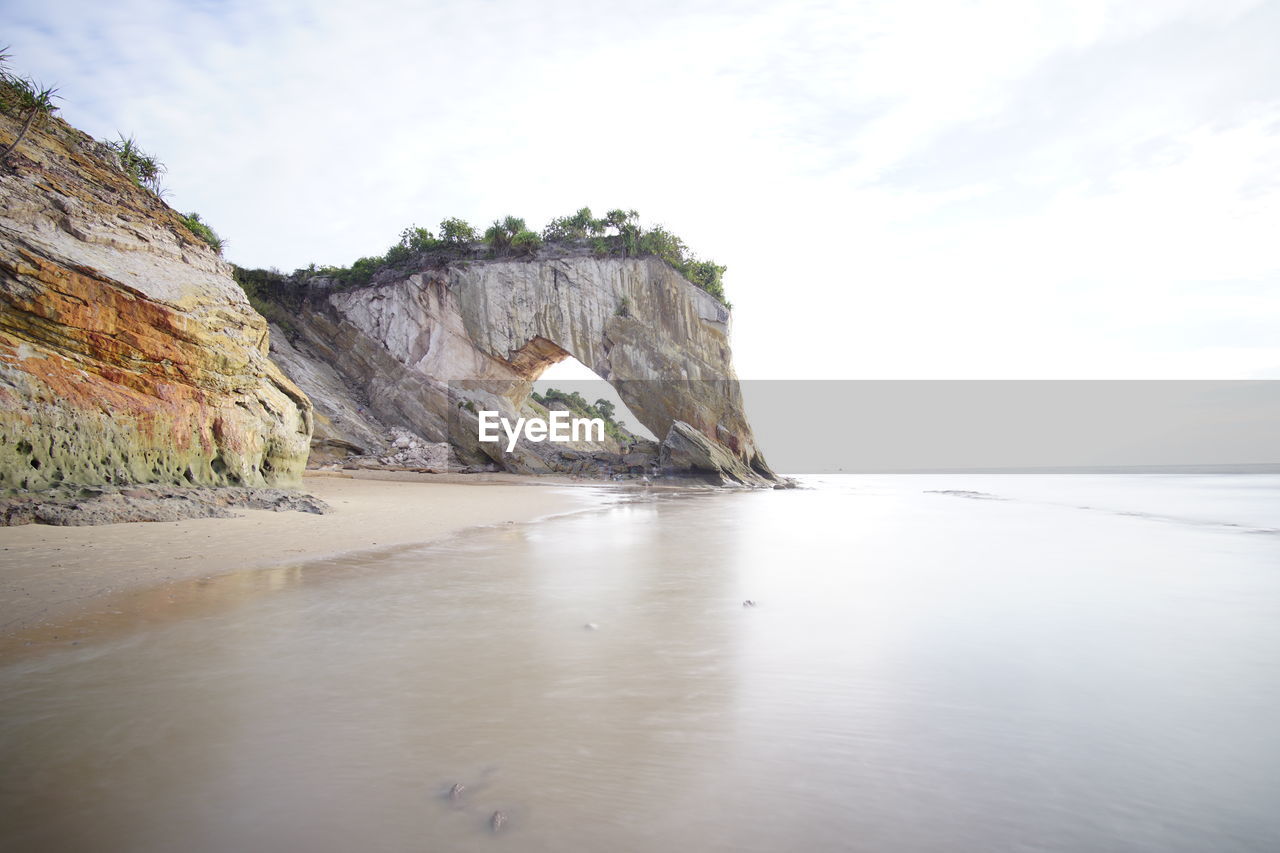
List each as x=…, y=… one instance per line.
x=933, y=663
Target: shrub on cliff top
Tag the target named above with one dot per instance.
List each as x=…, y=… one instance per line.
x=706, y=274
x=502, y=233
x=199, y=228
x=511, y=235
x=579, y=226
x=264, y=289
x=417, y=239
x=497, y=238
x=457, y=232
x=525, y=242
x=619, y=232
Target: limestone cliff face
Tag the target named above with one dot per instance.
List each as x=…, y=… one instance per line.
x=417, y=343
x=128, y=354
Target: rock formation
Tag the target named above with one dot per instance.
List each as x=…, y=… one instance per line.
x=128, y=354
x=424, y=344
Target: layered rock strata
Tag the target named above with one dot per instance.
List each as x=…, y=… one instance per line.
x=128, y=354
x=426, y=345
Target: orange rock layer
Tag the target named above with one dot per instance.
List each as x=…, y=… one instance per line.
x=127, y=352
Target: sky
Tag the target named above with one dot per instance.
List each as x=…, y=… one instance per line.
x=900, y=190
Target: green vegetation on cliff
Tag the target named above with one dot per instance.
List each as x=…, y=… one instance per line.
x=578, y=404
x=24, y=98
x=202, y=230
x=510, y=236
x=145, y=169
x=618, y=234
x=31, y=103
x=269, y=292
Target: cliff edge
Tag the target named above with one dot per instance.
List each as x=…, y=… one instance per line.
x=128, y=354
x=427, y=342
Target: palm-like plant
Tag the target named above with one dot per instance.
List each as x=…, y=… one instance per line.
x=498, y=237
x=501, y=235
x=22, y=94
x=144, y=168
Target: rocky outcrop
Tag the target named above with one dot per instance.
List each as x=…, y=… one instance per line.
x=424, y=346
x=77, y=507
x=128, y=354
x=686, y=452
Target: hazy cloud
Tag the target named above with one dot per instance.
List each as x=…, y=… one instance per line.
x=992, y=189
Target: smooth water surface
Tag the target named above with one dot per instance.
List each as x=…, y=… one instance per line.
x=961, y=663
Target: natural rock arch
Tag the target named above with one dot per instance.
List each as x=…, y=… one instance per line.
x=662, y=343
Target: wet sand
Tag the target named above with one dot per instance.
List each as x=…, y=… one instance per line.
x=925, y=673
x=55, y=576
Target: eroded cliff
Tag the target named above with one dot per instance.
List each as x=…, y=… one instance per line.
x=415, y=346
x=128, y=354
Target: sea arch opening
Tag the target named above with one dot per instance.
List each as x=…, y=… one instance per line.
x=569, y=375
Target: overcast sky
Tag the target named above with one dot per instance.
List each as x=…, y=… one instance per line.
x=899, y=189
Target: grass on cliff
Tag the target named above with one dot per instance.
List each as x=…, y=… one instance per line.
x=617, y=234
x=269, y=292
x=144, y=169
x=201, y=229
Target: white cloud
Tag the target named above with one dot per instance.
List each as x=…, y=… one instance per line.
x=899, y=189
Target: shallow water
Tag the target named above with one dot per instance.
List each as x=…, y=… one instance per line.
x=1084, y=663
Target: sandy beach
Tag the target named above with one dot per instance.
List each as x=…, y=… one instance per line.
x=55, y=577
